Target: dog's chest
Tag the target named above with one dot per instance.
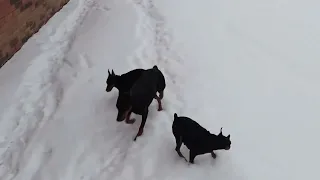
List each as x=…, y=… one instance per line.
x=197, y=142
x=138, y=110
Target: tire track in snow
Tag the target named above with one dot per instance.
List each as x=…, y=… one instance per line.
x=39, y=95
x=153, y=30
x=155, y=49
x=170, y=63
x=116, y=161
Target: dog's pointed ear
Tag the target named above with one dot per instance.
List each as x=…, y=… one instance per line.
x=228, y=136
x=155, y=67
x=113, y=72
x=109, y=72
x=220, y=134
x=175, y=116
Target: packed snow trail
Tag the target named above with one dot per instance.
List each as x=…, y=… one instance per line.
x=247, y=67
x=60, y=140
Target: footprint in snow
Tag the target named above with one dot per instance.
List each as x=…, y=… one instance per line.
x=84, y=61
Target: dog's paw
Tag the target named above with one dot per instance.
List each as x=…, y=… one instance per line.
x=140, y=133
x=160, y=109
x=130, y=121
x=185, y=159
x=213, y=155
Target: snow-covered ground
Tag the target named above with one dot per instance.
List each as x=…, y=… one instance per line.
x=251, y=67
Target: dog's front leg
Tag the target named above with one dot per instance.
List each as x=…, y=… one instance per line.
x=213, y=155
x=128, y=120
x=143, y=122
x=192, y=155
x=159, y=103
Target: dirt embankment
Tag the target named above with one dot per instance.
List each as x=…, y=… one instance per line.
x=20, y=19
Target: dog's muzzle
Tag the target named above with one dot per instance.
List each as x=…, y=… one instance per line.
x=121, y=117
x=109, y=88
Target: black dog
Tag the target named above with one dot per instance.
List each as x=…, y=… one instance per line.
x=139, y=98
x=125, y=82
x=196, y=138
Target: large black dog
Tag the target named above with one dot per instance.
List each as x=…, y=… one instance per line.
x=139, y=97
x=125, y=82
x=197, y=139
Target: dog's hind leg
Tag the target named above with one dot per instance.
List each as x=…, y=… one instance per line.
x=159, y=103
x=160, y=94
x=143, y=122
x=192, y=156
x=213, y=155
x=178, y=146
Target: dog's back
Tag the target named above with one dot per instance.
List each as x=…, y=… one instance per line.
x=128, y=79
x=145, y=88
x=186, y=127
x=194, y=136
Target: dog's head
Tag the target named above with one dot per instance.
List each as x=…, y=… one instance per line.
x=111, y=81
x=123, y=106
x=223, y=141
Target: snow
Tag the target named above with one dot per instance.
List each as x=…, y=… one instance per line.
x=250, y=67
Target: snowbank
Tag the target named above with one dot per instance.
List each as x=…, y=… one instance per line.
x=40, y=89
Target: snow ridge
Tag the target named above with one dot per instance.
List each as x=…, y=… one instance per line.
x=40, y=93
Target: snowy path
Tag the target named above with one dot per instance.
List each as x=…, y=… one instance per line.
x=230, y=64
x=84, y=142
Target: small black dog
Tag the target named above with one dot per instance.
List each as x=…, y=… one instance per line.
x=125, y=82
x=139, y=98
x=196, y=138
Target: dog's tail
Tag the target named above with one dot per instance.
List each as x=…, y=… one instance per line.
x=161, y=85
